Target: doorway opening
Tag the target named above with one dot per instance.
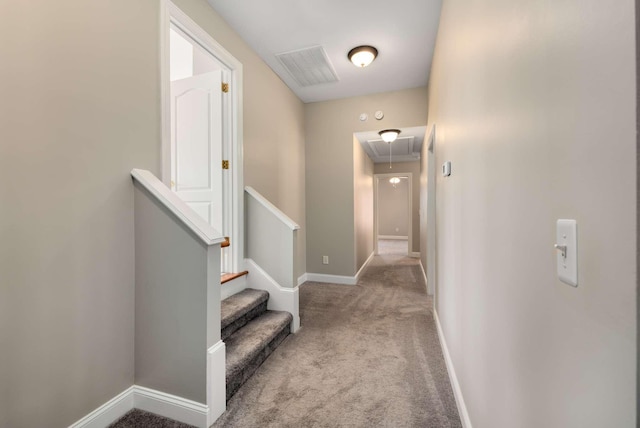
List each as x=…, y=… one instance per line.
x=393, y=222
x=201, y=128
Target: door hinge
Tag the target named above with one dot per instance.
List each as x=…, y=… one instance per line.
x=225, y=87
x=225, y=164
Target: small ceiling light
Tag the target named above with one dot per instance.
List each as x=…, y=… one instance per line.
x=389, y=135
x=362, y=56
x=394, y=180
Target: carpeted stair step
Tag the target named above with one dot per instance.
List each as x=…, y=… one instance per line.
x=250, y=346
x=239, y=309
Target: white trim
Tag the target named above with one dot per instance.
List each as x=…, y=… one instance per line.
x=170, y=406
x=178, y=207
x=364, y=265
x=336, y=279
x=457, y=391
x=302, y=279
x=272, y=208
x=171, y=14
x=216, y=382
x=394, y=237
x=430, y=212
x=280, y=298
x=140, y=397
x=414, y=254
x=424, y=275
x=165, y=91
x=109, y=412
x=331, y=279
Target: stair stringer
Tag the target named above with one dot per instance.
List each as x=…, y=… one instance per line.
x=280, y=298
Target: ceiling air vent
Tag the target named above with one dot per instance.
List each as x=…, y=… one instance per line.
x=309, y=66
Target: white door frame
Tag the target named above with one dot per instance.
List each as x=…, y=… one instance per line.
x=376, y=179
x=432, y=174
x=233, y=199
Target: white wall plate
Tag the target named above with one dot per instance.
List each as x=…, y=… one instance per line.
x=567, y=251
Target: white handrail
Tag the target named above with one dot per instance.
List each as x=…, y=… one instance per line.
x=178, y=207
x=272, y=208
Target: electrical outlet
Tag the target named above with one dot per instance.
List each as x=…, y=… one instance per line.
x=325, y=260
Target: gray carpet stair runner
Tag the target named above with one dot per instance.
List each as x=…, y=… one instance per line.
x=250, y=333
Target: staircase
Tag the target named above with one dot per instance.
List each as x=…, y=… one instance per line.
x=250, y=333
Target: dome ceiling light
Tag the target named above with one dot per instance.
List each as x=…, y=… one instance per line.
x=389, y=136
x=361, y=56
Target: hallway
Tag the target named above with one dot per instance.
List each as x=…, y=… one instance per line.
x=372, y=360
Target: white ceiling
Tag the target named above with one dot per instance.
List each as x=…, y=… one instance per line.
x=406, y=148
x=403, y=31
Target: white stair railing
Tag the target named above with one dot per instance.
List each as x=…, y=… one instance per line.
x=271, y=239
x=271, y=254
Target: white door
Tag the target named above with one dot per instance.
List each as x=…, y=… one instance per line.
x=196, y=144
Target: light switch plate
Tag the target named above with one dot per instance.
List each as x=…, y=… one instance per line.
x=566, y=236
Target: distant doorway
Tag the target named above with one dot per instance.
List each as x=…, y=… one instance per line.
x=392, y=213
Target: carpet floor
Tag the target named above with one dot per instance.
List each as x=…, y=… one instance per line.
x=366, y=356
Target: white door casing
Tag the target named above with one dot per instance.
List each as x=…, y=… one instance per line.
x=432, y=174
x=232, y=119
x=196, y=144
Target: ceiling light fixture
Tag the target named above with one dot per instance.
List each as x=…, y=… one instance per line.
x=361, y=56
x=389, y=136
x=394, y=181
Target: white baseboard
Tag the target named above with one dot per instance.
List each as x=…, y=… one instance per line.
x=139, y=397
x=395, y=237
x=171, y=406
x=109, y=412
x=338, y=279
x=426, y=281
x=331, y=279
x=216, y=382
x=364, y=266
x=457, y=391
x=302, y=279
x=414, y=254
x=280, y=298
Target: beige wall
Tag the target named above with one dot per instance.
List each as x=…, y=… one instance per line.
x=80, y=109
x=362, y=204
x=535, y=107
x=414, y=169
x=329, y=128
x=637, y=4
